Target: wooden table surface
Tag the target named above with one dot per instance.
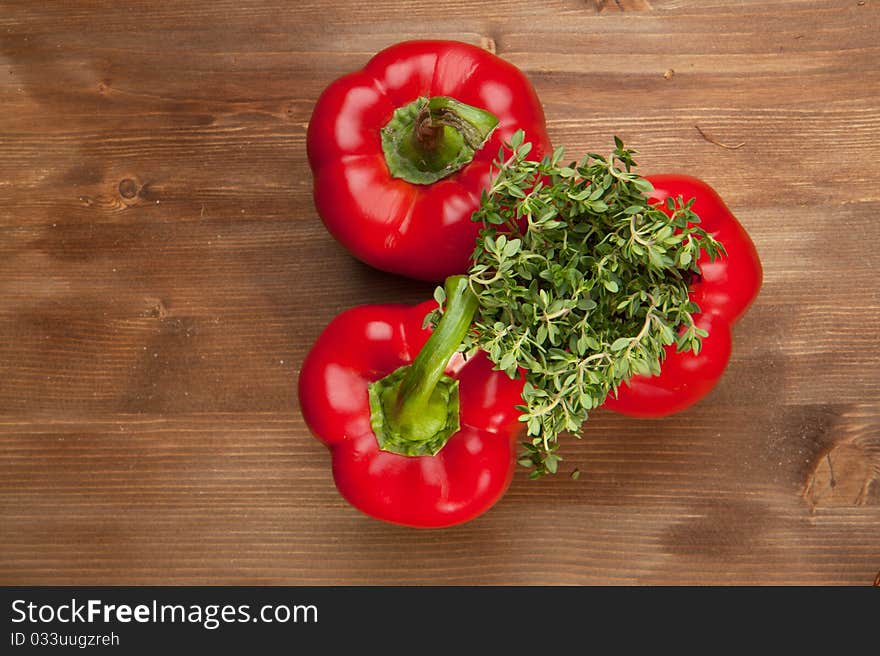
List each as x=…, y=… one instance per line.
x=163, y=273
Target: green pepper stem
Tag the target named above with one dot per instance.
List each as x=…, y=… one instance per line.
x=414, y=410
x=473, y=124
x=429, y=139
x=428, y=367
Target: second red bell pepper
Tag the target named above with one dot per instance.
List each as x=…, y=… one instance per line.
x=724, y=290
x=423, y=440
x=401, y=152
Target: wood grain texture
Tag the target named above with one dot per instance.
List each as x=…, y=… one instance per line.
x=163, y=273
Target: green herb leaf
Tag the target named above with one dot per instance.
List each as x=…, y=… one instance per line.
x=621, y=343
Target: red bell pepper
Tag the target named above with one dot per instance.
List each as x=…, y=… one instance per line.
x=425, y=441
x=401, y=152
x=724, y=291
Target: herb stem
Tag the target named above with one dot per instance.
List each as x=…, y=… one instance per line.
x=557, y=314
x=635, y=232
x=484, y=281
x=649, y=317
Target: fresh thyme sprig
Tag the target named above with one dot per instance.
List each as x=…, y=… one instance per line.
x=581, y=284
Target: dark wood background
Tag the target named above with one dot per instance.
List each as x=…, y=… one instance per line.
x=163, y=272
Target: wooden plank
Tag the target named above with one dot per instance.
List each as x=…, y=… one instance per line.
x=211, y=495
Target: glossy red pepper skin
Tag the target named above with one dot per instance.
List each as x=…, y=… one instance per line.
x=724, y=291
x=464, y=479
x=422, y=231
